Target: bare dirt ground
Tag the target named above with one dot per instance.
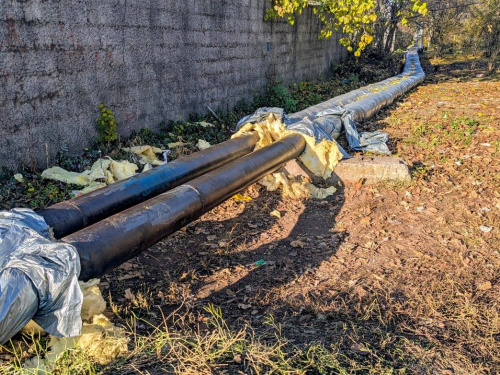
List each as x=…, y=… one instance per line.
x=378, y=279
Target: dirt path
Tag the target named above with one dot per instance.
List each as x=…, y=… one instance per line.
x=389, y=279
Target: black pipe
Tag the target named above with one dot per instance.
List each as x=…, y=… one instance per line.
x=114, y=240
x=70, y=216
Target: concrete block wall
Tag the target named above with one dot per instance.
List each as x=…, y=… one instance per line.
x=148, y=60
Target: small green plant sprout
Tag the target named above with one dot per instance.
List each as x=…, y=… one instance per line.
x=279, y=96
x=106, y=125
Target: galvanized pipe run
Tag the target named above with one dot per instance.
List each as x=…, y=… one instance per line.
x=70, y=216
x=114, y=240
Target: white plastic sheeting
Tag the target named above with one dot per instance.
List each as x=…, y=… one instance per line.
x=325, y=127
x=38, y=278
x=352, y=107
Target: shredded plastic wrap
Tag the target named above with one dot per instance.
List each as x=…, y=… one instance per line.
x=38, y=278
x=326, y=120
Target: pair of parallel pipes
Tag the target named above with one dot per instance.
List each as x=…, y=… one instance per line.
x=115, y=223
x=118, y=222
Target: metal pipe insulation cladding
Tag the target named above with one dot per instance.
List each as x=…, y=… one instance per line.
x=116, y=239
x=70, y=216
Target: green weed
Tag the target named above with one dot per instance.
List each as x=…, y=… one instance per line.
x=106, y=125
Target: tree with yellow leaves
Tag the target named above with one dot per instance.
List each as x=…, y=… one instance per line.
x=355, y=18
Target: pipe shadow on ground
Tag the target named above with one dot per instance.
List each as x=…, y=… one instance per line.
x=292, y=247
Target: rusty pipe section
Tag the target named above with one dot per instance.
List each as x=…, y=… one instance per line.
x=70, y=216
x=114, y=240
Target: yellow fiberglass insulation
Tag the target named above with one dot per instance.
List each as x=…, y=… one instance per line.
x=100, y=338
x=147, y=154
x=320, y=158
x=104, y=171
x=295, y=186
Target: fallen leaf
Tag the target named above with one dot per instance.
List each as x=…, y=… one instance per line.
x=297, y=243
x=484, y=286
x=242, y=198
x=129, y=295
x=276, y=213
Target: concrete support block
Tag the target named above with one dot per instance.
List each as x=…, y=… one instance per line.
x=371, y=169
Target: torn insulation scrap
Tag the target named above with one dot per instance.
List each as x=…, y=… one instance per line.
x=203, y=145
x=60, y=174
x=19, y=177
x=121, y=170
x=295, y=187
x=100, y=339
x=93, y=303
x=106, y=169
x=147, y=154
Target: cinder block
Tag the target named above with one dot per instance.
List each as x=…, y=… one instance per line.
x=370, y=169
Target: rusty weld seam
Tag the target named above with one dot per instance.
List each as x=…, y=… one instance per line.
x=84, y=218
x=199, y=195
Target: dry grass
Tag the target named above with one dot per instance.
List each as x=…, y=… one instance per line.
x=178, y=348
